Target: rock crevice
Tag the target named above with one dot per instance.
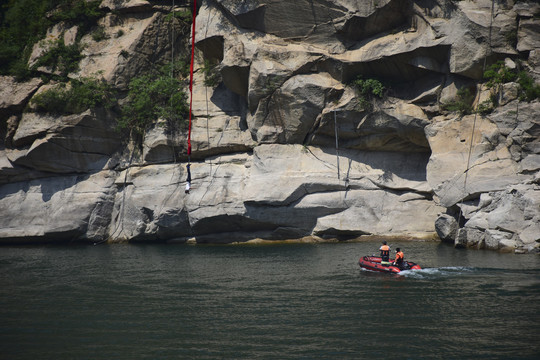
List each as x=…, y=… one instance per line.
x=285, y=145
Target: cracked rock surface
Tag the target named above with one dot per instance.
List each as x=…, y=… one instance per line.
x=284, y=146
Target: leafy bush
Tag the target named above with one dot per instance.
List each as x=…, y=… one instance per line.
x=212, y=77
x=61, y=57
x=179, y=68
x=152, y=96
x=75, y=98
x=52, y=101
x=463, y=102
x=529, y=90
x=368, y=89
x=25, y=22
x=99, y=34
x=183, y=18
x=20, y=70
x=499, y=74
x=486, y=107
x=81, y=13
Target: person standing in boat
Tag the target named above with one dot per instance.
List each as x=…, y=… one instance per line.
x=398, y=261
x=385, y=253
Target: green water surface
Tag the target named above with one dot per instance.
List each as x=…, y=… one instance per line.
x=283, y=301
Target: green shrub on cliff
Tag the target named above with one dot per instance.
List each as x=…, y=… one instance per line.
x=25, y=22
x=153, y=96
x=368, y=89
x=83, y=14
x=499, y=74
x=99, y=34
x=462, y=103
x=61, y=58
x=183, y=20
x=212, y=76
x=75, y=97
x=529, y=89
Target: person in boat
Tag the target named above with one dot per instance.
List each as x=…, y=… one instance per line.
x=398, y=261
x=385, y=253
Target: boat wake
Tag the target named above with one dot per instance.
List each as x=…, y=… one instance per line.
x=436, y=272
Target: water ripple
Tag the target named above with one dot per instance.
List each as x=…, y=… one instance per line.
x=275, y=302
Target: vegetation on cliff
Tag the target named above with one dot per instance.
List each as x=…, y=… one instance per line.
x=75, y=97
x=273, y=105
x=157, y=94
x=368, y=89
x=499, y=74
x=25, y=22
x=494, y=78
x=463, y=102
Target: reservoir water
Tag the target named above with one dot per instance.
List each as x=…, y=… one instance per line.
x=280, y=301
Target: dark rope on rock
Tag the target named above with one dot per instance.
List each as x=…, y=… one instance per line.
x=188, y=185
x=489, y=51
x=337, y=142
x=206, y=94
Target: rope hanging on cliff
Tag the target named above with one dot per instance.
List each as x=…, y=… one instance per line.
x=476, y=114
x=337, y=143
x=188, y=185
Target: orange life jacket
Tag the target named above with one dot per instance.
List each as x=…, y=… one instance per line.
x=399, y=256
x=385, y=251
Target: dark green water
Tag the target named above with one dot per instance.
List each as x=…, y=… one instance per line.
x=301, y=301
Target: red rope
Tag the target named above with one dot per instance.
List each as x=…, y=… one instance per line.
x=191, y=74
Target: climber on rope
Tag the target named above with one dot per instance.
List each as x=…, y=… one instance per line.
x=188, y=180
x=188, y=166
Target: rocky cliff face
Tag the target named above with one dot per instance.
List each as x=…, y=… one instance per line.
x=264, y=137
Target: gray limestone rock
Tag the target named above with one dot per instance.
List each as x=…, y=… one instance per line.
x=512, y=215
x=284, y=145
x=495, y=239
x=528, y=34
x=469, y=238
x=447, y=228
x=65, y=144
x=56, y=209
x=15, y=95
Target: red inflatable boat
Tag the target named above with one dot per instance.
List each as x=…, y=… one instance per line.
x=374, y=263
